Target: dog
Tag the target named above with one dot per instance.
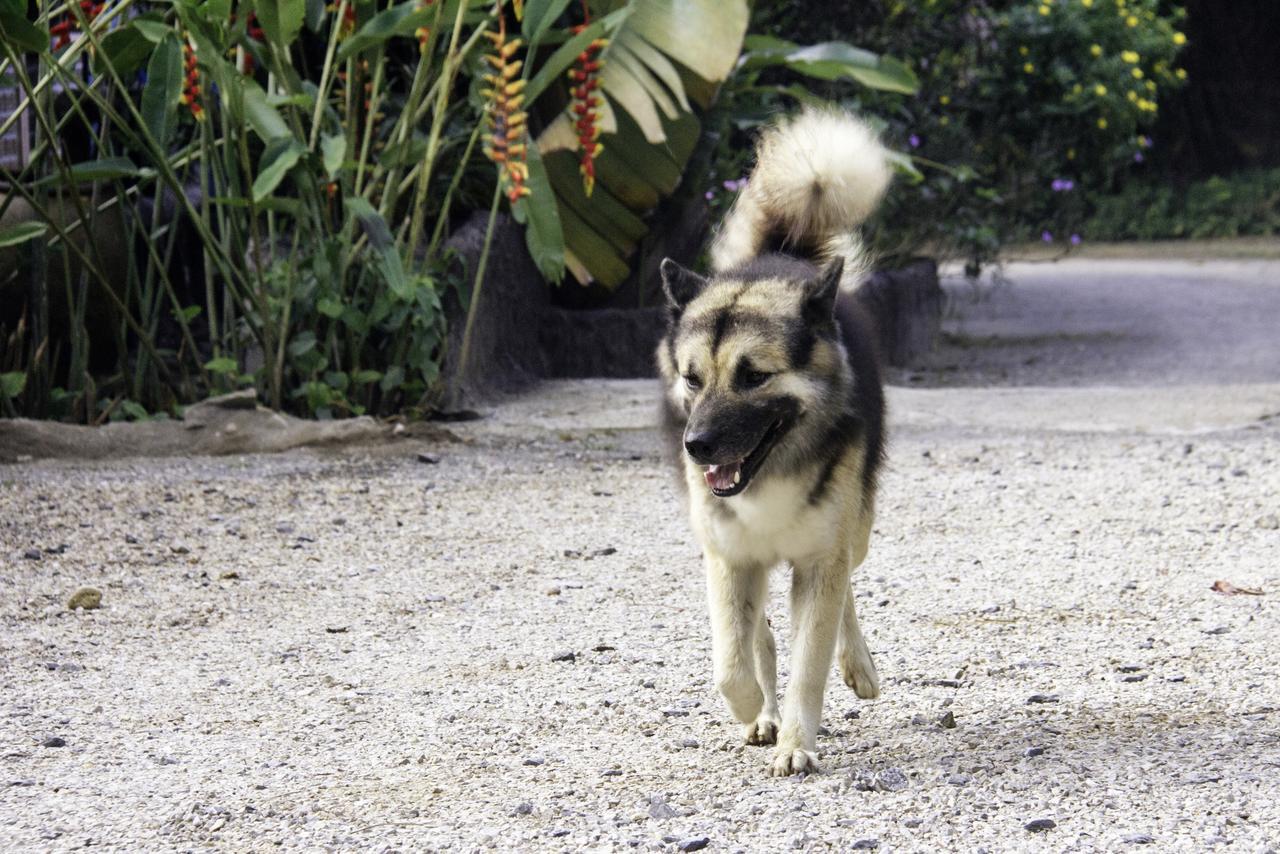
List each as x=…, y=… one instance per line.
x=773, y=408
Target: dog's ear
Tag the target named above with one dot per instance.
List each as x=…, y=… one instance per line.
x=820, y=292
x=681, y=285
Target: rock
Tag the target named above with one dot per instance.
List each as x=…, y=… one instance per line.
x=1138, y=839
x=567, y=655
x=54, y=741
x=32, y=554
x=535, y=761
x=1039, y=825
x=959, y=779
x=1032, y=752
x=696, y=844
x=912, y=822
x=180, y=549
x=1218, y=630
x=522, y=808
x=428, y=459
x=947, y=721
x=1043, y=698
x=1137, y=677
x=866, y=845
x=889, y=780
x=660, y=809
x=88, y=598
x=336, y=630
x=611, y=772
x=1269, y=522
x=690, y=742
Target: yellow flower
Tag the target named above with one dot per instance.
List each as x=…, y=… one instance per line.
x=1044, y=10
x=1028, y=67
x=1133, y=96
x=1131, y=21
x=1071, y=154
x=1096, y=50
x=1099, y=90
x=1181, y=74
x=1022, y=50
x=1086, y=3
x=1136, y=72
x=1077, y=89
x=1151, y=85
x=1102, y=124
x=944, y=99
x=944, y=121
x=1179, y=38
x=1130, y=56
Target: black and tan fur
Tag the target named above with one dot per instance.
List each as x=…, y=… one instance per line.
x=774, y=410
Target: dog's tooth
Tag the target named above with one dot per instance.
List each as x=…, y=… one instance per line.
x=737, y=476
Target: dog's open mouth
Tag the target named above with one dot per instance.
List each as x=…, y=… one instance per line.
x=731, y=478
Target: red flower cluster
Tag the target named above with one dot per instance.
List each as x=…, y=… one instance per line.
x=506, y=143
x=62, y=30
x=423, y=33
x=191, y=85
x=347, y=25
x=584, y=78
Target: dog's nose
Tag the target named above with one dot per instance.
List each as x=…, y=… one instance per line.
x=700, y=446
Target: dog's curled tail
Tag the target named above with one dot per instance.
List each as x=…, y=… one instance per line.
x=818, y=176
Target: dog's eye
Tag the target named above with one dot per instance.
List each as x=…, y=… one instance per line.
x=753, y=379
x=692, y=381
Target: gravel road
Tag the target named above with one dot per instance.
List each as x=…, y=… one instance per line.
x=501, y=641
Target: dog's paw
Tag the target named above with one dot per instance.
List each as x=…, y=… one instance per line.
x=789, y=761
x=763, y=731
x=859, y=673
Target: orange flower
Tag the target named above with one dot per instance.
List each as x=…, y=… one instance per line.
x=506, y=143
x=584, y=79
x=191, y=85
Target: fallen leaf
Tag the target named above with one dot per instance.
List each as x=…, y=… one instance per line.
x=1229, y=589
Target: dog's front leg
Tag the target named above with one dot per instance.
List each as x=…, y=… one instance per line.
x=817, y=597
x=736, y=594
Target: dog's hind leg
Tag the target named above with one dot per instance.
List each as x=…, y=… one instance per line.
x=765, y=728
x=736, y=597
x=856, y=666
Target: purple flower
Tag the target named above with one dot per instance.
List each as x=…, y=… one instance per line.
x=914, y=141
x=1137, y=157
x=1075, y=240
x=1063, y=185
x=1046, y=236
x=710, y=194
x=731, y=186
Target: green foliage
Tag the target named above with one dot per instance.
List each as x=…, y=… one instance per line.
x=1024, y=108
x=1246, y=204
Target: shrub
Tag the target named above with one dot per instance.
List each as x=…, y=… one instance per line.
x=1246, y=204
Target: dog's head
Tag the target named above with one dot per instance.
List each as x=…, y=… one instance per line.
x=747, y=357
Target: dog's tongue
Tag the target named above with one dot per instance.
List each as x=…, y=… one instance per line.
x=723, y=477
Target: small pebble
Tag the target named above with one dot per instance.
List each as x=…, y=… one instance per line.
x=1269, y=523
x=1139, y=839
x=959, y=779
x=866, y=845
x=1031, y=752
x=54, y=741
x=428, y=459
x=1043, y=698
x=947, y=721
x=1040, y=825
x=567, y=655
x=32, y=554
x=695, y=844
x=535, y=760
x=87, y=598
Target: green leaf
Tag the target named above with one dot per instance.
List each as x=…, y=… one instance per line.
x=303, y=343
x=22, y=232
x=125, y=49
x=221, y=365
x=366, y=376
x=334, y=148
x=160, y=95
x=540, y=16
x=107, y=169
x=315, y=15
x=833, y=61
x=12, y=384
x=542, y=233
x=133, y=410
x=329, y=307
x=280, y=155
x=265, y=119
x=153, y=28
x=399, y=20
x=392, y=379
x=18, y=31
x=281, y=20
x=188, y=314
x=382, y=244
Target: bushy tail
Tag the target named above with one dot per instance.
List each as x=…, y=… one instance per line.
x=818, y=176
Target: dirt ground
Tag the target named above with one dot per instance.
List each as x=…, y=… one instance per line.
x=501, y=641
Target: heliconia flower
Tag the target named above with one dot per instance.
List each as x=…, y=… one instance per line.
x=191, y=83
x=347, y=25
x=61, y=31
x=584, y=79
x=506, y=144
